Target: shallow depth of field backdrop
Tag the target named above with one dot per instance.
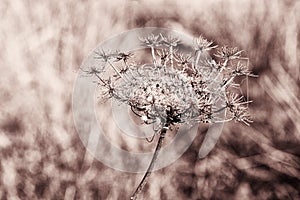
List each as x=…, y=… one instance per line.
x=42, y=44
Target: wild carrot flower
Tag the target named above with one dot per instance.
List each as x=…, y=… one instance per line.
x=180, y=89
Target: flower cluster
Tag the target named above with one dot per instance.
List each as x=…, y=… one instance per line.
x=177, y=87
x=180, y=85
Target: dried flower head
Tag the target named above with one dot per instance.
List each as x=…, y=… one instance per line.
x=151, y=40
x=169, y=40
x=229, y=53
x=180, y=89
x=203, y=44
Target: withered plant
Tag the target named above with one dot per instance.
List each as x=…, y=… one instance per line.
x=176, y=87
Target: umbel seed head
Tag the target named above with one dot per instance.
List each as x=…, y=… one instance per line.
x=177, y=86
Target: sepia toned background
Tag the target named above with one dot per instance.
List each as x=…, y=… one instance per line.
x=42, y=45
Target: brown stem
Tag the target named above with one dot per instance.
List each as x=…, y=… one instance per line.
x=150, y=168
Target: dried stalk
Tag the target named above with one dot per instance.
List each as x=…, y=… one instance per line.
x=151, y=165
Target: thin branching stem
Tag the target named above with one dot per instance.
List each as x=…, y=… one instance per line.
x=153, y=56
x=227, y=82
x=198, y=53
x=171, y=56
x=151, y=165
x=100, y=79
x=116, y=70
x=225, y=63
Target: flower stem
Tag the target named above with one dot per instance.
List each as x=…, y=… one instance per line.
x=153, y=56
x=171, y=56
x=196, y=60
x=116, y=70
x=151, y=166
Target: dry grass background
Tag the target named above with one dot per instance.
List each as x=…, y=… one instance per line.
x=42, y=46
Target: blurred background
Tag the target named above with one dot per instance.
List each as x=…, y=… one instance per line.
x=42, y=45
